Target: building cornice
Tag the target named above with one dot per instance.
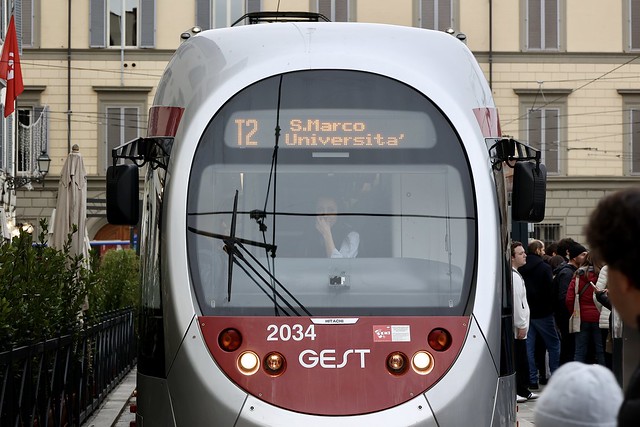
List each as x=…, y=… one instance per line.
x=536, y=91
x=606, y=183
x=97, y=54
x=34, y=88
x=120, y=89
x=558, y=57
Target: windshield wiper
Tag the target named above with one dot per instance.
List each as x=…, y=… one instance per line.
x=234, y=246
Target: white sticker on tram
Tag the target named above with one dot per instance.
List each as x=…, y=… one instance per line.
x=334, y=320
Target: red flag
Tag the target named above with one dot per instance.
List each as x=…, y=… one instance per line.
x=10, y=69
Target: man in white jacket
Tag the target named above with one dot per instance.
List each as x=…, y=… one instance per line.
x=520, y=324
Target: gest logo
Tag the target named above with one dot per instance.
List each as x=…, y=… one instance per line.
x=327, y=358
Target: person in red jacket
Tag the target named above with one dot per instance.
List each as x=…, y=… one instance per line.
x=582, y=286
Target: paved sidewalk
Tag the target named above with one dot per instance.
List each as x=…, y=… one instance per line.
x=115, y=405
x=524, y=411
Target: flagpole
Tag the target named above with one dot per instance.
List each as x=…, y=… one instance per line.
x=16, y=139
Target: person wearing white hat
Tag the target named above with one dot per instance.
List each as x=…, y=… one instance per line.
x=579, y=395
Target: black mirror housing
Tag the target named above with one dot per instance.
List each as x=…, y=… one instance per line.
x=122, y=195
x=528, y=198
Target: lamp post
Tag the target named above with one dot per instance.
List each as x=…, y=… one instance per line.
x=44, y=161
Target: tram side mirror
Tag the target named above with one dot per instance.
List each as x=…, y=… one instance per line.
x=122, y=195
x=529, y=194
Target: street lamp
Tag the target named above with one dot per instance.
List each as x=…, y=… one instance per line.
x=44, y=161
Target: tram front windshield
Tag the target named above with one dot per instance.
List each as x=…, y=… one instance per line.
x=366, y=207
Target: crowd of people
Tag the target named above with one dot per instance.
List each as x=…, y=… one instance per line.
x=563, y=299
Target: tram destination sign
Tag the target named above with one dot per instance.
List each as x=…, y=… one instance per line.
x=331, y=129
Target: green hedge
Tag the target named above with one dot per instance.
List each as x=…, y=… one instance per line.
x=44, y=291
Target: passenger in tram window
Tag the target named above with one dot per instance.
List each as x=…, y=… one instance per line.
x=613, y=231
x=331, y=230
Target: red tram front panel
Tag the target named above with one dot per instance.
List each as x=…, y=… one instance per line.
x=334, y=366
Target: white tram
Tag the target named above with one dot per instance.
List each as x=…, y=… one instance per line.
x=248, y=316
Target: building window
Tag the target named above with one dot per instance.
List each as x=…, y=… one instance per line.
x=634, y=143
x=122, y=125
x=631, y=130
x=543, y=133
x=435, y=14
x=547, y=233
x=542, y=19
x=223, y=13
x=124, y=113
x=543, y=117
x=25, y=26
x=633, y=28
x=122, y=23
x=33, y=133
x=336, y=10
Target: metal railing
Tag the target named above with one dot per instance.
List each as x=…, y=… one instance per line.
x=60, y=382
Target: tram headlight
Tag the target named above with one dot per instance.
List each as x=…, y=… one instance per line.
x=230, y=339
x=248, y=363
x=397, y=363
x=439, y=339
x=422, y=362
x=275, y=364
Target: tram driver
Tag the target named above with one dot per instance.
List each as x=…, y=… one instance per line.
x=330, y=231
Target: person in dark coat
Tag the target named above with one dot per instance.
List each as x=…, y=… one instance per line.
x=562, y=278
x=538, y=280
x=613, y=231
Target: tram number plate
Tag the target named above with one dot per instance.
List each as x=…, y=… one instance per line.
x=295, y=332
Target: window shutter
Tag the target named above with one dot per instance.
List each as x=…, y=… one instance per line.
x=551, y=24
x=634, y=31
x=342, y=10
x=203, y=14
x=98, y=23
x=552, y=140
x=114, y=124
x=534, y=25
x=10, y=167
x=147, y=19
x=324, y=8
x=427, y=14
x=131, y=124
x=535, y=129
x=3, y=24
x=26, y=30
x=635, y=141
x=253, y=6
x=444, y=15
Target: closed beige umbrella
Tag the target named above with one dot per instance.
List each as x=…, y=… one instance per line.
x=71, y=206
